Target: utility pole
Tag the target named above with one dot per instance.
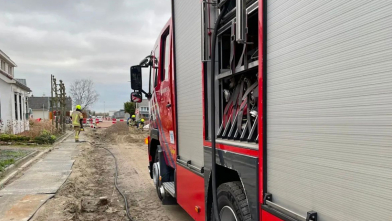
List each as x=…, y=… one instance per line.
x=62, y=105
x=51, y=98
x=58, y=103
x=55, y=101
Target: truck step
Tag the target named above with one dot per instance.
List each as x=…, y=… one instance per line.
x=169, y=187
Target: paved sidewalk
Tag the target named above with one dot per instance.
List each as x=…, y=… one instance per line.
x=23, y=197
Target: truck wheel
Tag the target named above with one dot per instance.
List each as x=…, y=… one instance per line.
x=155, y=175
x=232, y=203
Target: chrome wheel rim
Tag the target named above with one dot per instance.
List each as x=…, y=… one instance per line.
x=155, y=173
x=227, y=214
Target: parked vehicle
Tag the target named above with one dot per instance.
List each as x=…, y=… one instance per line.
x=272, y=110
x=100, y=118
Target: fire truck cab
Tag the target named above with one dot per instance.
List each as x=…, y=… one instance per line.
x=272, y=110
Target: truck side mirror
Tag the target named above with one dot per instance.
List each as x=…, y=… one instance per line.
x=136, y=77
x=136, y=97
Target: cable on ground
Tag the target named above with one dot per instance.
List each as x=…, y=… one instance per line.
x=118, y=189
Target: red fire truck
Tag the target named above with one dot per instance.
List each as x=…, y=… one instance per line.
x=272, y=109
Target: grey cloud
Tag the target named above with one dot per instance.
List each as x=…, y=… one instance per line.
x=81, y=39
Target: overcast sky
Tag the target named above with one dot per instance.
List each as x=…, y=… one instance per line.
x=74, y=39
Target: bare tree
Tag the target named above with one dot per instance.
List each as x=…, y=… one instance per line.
x=83, y=93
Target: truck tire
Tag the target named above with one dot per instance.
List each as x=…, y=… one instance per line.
x=232, y=203
x=157, y=185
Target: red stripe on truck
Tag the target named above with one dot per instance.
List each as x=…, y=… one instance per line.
x=266, y=216
x=239, y=150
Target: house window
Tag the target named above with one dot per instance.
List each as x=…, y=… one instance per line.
x=16, y=106
x=27, y=109
x=3, y=65
x=143, y=108
x=20, y=107
x=10, y=70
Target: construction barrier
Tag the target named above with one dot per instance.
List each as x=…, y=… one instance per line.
x=115, y=120
x=84, y=121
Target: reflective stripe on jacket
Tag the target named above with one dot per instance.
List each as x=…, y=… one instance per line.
x=76, y=116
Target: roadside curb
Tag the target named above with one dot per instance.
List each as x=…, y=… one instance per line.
x=19, y=161
x=28, y=163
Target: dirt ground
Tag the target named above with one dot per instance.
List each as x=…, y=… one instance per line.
x=89, y=192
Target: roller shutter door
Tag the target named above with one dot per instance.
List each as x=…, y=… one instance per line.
x=329, y=114
x=189, y=81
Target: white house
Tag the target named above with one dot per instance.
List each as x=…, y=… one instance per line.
x=13, y=98
x=40, y=106
x=111, y=113
x=143, y=110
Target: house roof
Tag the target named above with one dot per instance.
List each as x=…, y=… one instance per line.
x=22, y=81
x=22, y=84
x=15, y=81
x=39, y=103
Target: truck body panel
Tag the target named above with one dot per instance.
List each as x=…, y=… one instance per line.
x=323, y=83
x=190, y=192
x=189, y=95
x=189, y=114
x=329, y=86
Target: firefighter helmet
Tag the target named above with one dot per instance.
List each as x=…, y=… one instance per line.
x=133, y=116
x=78, y=107
x=142, y=120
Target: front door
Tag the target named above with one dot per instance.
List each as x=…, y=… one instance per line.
x=164, y=97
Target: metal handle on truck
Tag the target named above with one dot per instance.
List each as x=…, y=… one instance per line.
x=310, y=216
x=203, y=11
x=241, y=28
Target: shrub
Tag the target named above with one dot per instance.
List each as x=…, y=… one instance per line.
x=5, y=137
x=39, y=128
x=14, y=138
x=26, y=138
x=45, y=138
x=42, y=132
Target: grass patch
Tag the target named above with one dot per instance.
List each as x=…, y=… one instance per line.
x=13, y=154
x=5, y=163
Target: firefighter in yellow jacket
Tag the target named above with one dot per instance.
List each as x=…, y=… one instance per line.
x=77, y=121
